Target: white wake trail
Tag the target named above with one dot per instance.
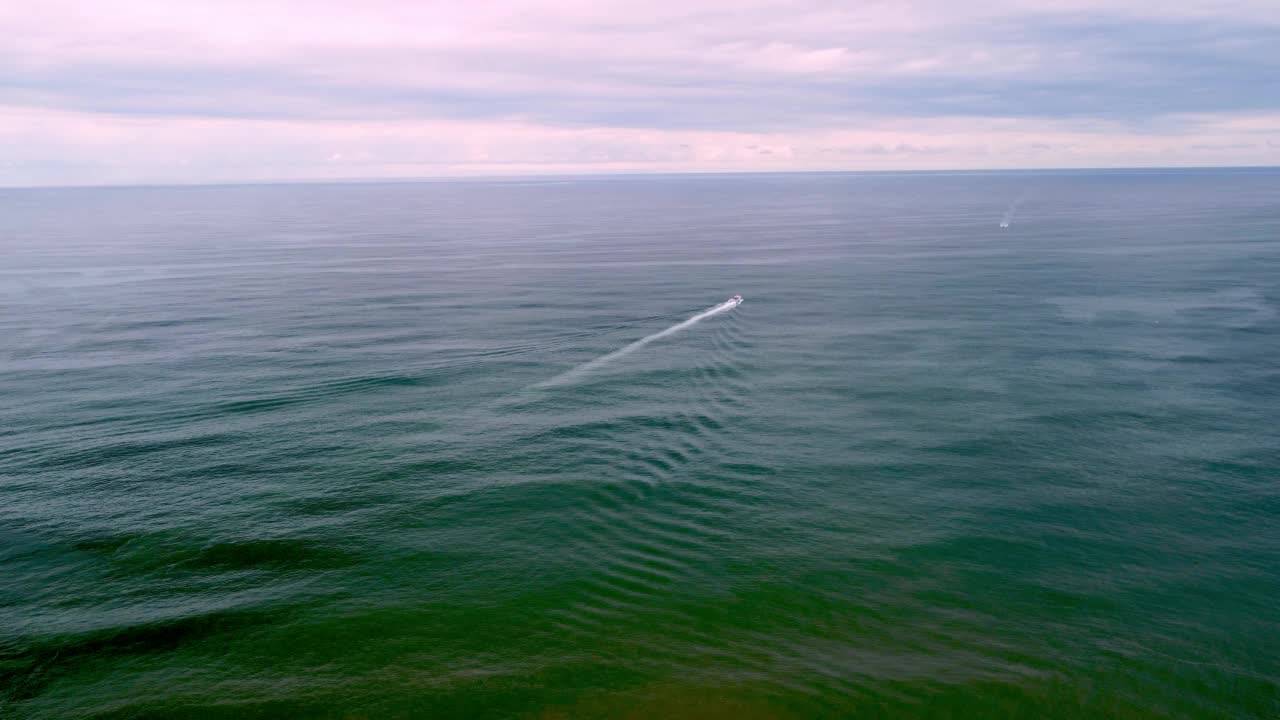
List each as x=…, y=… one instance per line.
x=583, y=369
x=1009, y=212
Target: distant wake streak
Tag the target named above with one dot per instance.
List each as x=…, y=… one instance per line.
x=1007, y=220
x=587, y=367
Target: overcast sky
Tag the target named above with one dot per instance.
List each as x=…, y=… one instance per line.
x=191, y=91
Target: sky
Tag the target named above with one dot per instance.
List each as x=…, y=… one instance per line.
x=191, y=91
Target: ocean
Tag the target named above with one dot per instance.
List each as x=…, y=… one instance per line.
x=451, y=449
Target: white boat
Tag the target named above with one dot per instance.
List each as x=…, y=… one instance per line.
x=736, y=299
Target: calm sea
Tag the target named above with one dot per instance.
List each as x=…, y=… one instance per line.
x=411, y=450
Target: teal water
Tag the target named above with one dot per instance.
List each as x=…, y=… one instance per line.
x=350, y=450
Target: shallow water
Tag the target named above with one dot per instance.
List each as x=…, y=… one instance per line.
x=351, y=450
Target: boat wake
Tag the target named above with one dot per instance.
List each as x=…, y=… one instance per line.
x=1012, y=210
x=587, y=367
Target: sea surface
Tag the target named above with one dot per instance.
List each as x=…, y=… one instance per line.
x=411, y=450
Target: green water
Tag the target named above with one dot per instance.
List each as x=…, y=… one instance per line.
x=370, y=451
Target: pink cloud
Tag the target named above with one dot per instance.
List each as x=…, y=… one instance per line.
x=145, y=90
x=125, y=149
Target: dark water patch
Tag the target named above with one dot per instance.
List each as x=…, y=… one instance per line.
x=109, y=453
x=326, y=391
x=106, y=544
x=179, y=557
x=116, y=345
x=160, y=324
x=244, y=406
x=28, y=666
x=279, y=554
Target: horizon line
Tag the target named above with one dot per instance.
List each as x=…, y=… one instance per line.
x=639, y=174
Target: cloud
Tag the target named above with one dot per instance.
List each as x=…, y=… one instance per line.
x=48, y=146
x=286, y=88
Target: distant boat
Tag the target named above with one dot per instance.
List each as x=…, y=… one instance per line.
x=736, y=299
x=1004, y=223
